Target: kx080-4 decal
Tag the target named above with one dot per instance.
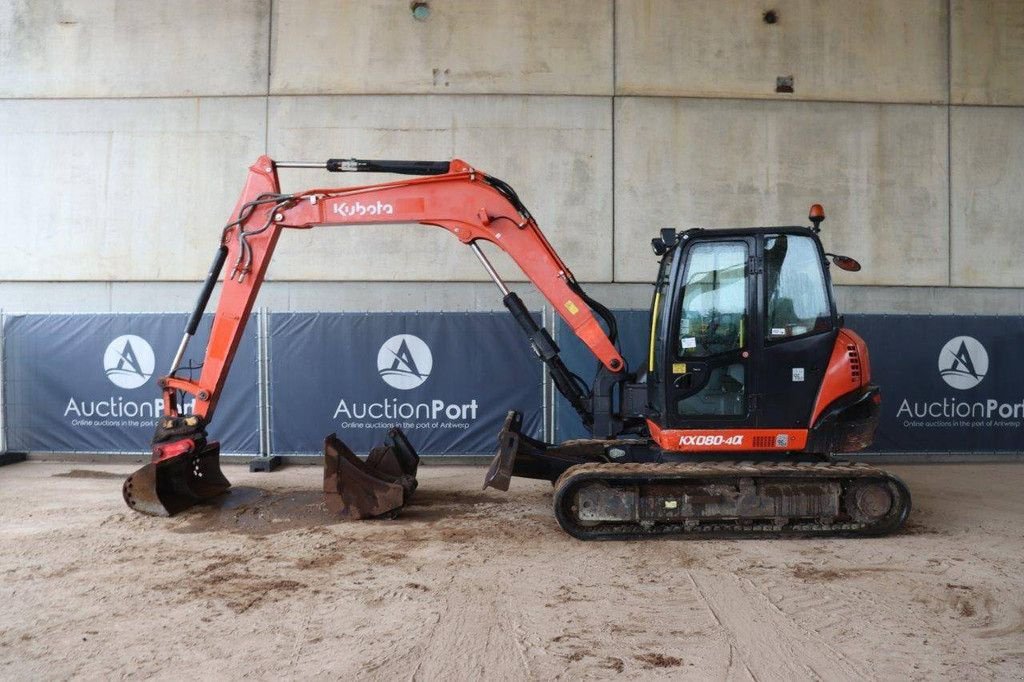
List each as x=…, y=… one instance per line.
x=709, y=439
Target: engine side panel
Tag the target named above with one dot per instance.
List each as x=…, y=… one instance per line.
x=849, y=369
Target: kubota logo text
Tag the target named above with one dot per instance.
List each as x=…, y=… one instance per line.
x=129, y=361
x=963, y=362
x=358, y=208
x=404, y=361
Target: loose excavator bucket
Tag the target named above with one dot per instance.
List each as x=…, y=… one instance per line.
x=380, y=486
x=171, y=485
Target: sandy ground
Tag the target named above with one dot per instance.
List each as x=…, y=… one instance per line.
x=484, y=585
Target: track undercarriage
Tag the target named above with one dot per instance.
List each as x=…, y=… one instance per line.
x=598, y=498
x=728, y=499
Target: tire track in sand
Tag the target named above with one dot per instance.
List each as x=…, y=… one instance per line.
x=764, y=642
x=851, y=617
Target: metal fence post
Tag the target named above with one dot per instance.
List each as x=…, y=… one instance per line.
x=549, y=388
x=3, y=382
x=544, y=383
x=263, y=461
x=261, y=380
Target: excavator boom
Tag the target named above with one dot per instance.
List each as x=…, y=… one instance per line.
x=452, y=195
x=471, y=205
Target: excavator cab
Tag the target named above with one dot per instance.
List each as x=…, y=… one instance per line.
x=746, y=354
x=743, y=324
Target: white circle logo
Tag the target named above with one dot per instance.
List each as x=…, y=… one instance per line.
x=129, y=361
x=404, y=361
x=963, y=362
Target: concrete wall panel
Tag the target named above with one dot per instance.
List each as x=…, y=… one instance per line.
x=463, y=46
x=869, y=50
x=879, y=170
x=121, y=189
x=988, y=52
x=556, y=152
x=133, y=48
x=987, y=199
x=117, y=200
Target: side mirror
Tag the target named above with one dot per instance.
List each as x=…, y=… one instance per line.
x=844, y=262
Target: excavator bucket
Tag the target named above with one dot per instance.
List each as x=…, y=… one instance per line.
x=499, y=474
x=378, y=487
x=525, y=457
x=169, y=486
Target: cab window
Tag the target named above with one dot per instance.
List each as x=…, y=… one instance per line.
x=714, y=300
x=795, y=287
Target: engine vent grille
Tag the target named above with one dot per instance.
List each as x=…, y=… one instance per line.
x=854, y=355
x=763, y=441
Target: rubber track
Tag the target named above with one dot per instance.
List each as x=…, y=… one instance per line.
x=638, y=474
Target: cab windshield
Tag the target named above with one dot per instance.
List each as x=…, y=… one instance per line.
x=797, y=302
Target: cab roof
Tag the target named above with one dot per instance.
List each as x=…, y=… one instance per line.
x=748, y=231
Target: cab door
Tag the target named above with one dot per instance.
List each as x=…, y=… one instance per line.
x=799, y=329
x=707, y=371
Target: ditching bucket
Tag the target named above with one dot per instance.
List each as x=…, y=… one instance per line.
x=173, y=484
x=185, y=469
x=380, y=486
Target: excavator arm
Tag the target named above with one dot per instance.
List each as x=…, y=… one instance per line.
x=471, y=205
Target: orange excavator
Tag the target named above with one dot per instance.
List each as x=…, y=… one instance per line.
x=751, y=387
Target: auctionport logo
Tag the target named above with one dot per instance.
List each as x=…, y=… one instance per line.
x=963, y=362
x=129, y=361
x=404, y=361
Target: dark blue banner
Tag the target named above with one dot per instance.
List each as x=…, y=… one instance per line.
x=950, y=384
x=87, y=383
x=446, y=379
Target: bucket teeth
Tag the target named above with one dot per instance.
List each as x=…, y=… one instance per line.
x=170, y=486
x=380, y=486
